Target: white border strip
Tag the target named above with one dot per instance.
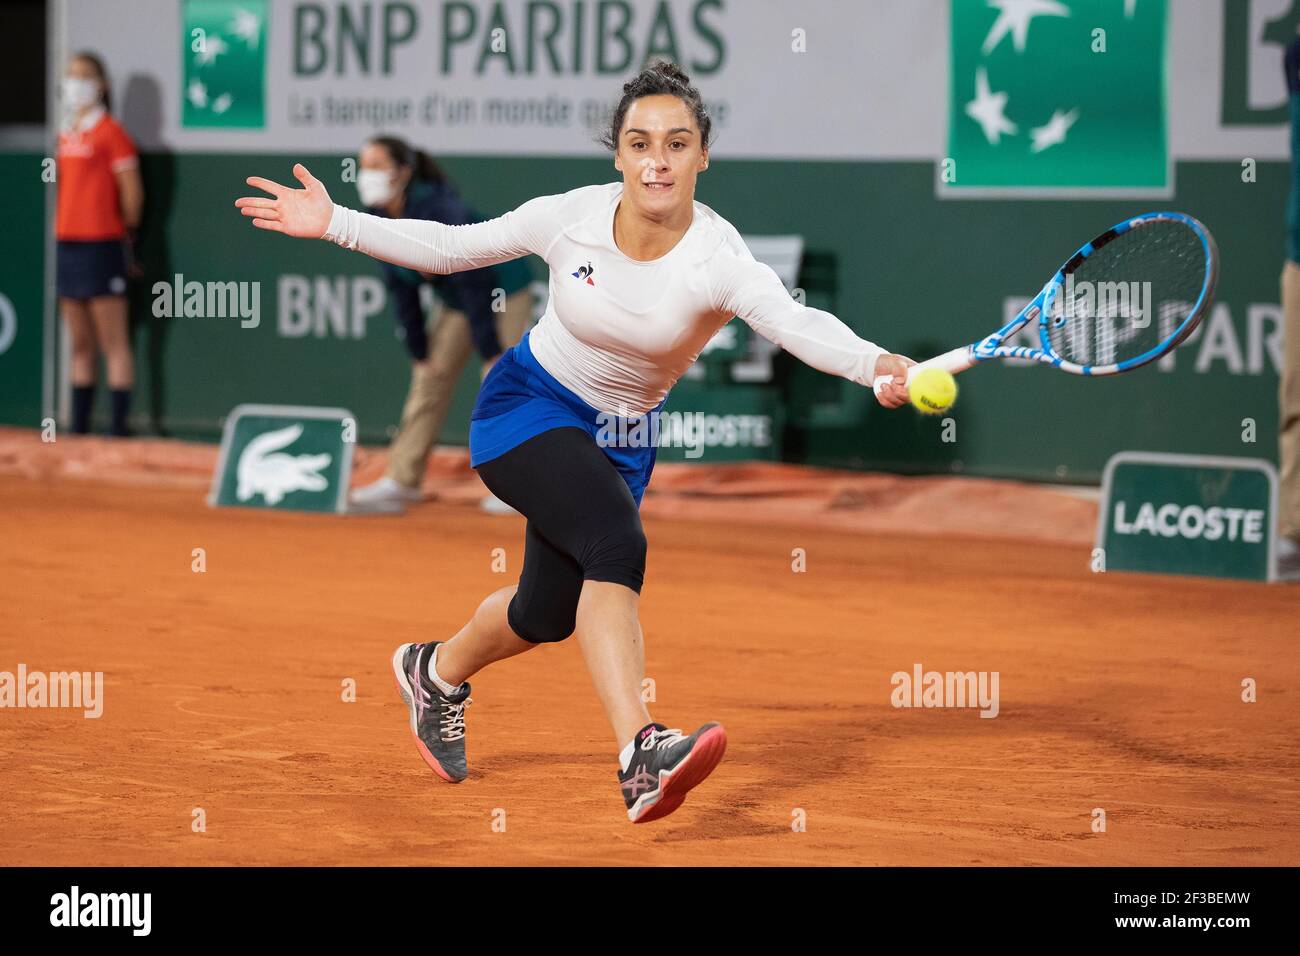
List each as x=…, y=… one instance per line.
x=947, y=191
x=1200, y=461
x=56, y=42
x=286, y=411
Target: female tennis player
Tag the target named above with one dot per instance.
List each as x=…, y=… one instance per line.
x=641, y=278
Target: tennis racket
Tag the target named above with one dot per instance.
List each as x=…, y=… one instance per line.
x=1125, y=299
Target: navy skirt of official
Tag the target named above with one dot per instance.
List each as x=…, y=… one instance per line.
x=88, y=270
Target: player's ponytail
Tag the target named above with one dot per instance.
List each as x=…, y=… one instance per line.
x=659, y=78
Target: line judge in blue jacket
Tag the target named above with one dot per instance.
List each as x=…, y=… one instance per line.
x=484, y=310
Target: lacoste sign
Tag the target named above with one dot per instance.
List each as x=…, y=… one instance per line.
x=1188, y=514
x=285, y=457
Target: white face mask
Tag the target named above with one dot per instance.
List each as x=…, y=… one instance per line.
x=80, y=93
x=375, y=186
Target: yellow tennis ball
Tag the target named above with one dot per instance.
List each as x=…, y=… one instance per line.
x=933, y=391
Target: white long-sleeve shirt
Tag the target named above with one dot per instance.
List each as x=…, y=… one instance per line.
x=618, y=332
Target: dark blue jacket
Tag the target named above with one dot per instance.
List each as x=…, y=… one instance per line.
x=469, y=292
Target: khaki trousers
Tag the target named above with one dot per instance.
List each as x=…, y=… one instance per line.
x=433, y=383
x=1289, y=402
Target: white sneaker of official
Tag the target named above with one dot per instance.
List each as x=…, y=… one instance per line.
x=385, y=496
x=495, y=506
x=1288, y=559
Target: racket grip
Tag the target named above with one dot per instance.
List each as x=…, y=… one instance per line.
x=958, y=360
x=882, y=380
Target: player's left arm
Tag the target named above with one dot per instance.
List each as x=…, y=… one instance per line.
x=750, y=290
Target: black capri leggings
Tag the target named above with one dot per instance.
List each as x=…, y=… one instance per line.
x=583, y=525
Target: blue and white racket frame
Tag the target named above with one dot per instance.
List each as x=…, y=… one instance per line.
x=1040, y=308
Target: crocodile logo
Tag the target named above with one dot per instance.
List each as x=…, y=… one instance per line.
x=266, y=470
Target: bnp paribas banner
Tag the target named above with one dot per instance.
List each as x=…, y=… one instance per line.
x=1054, y=98
x=1023, y=94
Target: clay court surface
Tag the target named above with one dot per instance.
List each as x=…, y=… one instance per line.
x=224, y=691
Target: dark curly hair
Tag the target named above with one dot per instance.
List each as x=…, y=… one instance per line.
x=659, y=78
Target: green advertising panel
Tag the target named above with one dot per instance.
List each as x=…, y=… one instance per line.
x=1189, y=514
x=734, y=422
x=1049, y=97
x=224, y=51
x=285, y=457
x=323, y=334
x=22, y=273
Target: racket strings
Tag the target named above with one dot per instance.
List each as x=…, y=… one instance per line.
x=1129, y=296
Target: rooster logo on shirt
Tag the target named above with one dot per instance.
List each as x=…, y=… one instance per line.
x=585, y=272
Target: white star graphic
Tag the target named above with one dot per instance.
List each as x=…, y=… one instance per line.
x=222, y=103
x=1053, y=131
x=197, y=94
x=246, y=26
x=988, y=109
x=1014, y=17
x=213, y=47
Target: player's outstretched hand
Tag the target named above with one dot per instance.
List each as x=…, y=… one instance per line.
x=304, y=213
x=893, y=394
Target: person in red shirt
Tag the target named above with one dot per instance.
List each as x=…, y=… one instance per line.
x=100, y=198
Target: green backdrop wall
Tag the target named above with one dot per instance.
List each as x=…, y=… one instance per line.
x=913, y=272
x=22, y=285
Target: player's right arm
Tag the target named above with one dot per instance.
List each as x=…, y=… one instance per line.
x=419, y=244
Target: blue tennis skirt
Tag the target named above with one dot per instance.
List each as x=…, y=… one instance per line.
x=519, y=400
